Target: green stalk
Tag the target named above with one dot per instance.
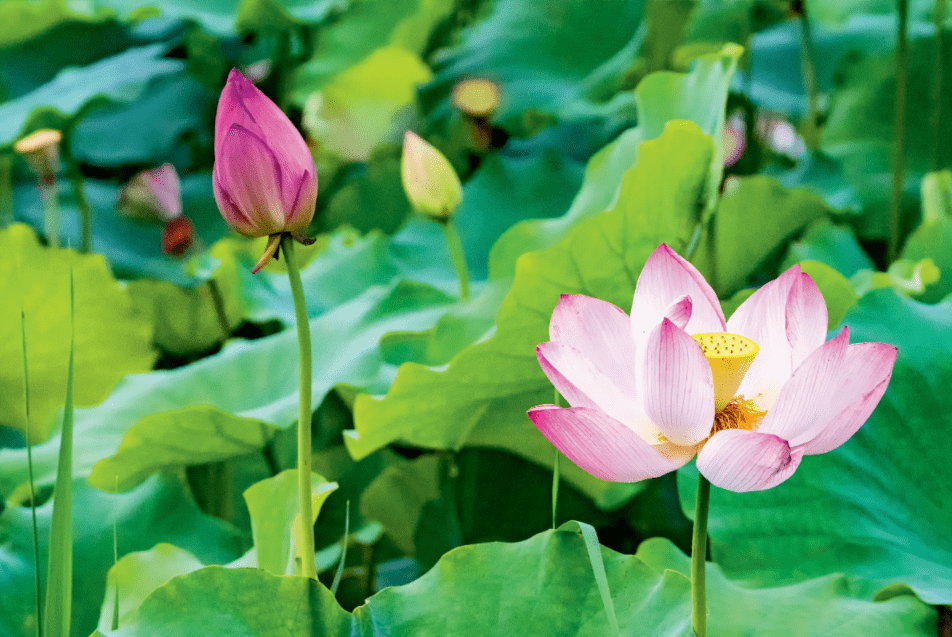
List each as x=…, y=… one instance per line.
x=59, y=578
x=29, y=464
x=935, y=123
x=51, y=211
x=219, y=302
x=555, y=472
x=456, y=253
x=899, y=129
x=85, y=210
x=308, y=567
x=699, y=557
x=808, y=69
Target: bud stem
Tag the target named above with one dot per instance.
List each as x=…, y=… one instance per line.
x=51, y=210
x=85, y=210
x=699, y=557
x=306, y=552
x=456, y=253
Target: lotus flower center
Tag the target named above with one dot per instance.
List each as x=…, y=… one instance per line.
x=730, y=356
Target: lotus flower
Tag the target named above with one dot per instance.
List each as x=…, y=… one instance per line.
x=750, y=396
x=429, y=180
x=264, y=178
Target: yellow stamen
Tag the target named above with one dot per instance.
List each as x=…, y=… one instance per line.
x=730, y=356
x=739, y=413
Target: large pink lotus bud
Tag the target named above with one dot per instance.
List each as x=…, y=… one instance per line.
x=264, y=178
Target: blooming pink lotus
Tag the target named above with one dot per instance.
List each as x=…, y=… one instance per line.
x=749, y=396
x=264, y=178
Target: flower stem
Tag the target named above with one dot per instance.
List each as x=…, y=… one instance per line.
x=899, y=130
x=304, y=416
x=219, y=302
x=808, y=69
x=456, y=252
x=85, y=210
x=555, y=473
x=698, y=558
x=51, y=210
x=935, y=124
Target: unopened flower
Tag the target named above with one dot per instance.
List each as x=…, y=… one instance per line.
x=429, y=180
x=152, y=195
x=40, y=149
x=750, y=396
x=264, y=177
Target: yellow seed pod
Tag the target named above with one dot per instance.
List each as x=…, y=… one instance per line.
x=730, y=356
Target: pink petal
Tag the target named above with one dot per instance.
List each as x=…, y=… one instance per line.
x=301, y=209
x=583, y=384
x=665, y=278
x=676, y=385
x=806, y=319
x=763, y=318
x=864, y=376
x=600, y=332
x=803, y=403
x=249, y=172
x=739, y=460
x=604, y=447
x=243, y=104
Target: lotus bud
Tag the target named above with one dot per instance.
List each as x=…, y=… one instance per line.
x=429, y=180
x=264, y=178
x=152, y=195
x=40, y=149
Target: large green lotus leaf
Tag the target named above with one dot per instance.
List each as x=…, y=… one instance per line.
x=29, y=64
x=839, y=11
x=754, y=217
x=135, y=575
x=510, y=187
x=169, y=440
x=933, y=240
x=827, y=606
x=247, y=379
x=876, y=507
x=274, y=506
x=540, y=54
x=504, y=589
x=835, y=246
x=170, y=117
x=242, y=602
x=161, y=510
x=456, y=329
x=358, y=109
x=75, y=90
x=133, y=248
x=373, y=198
x=776, y=77
x=24, y=20
x=859, y=129
x=661, y=97
x=185, y=319
x=361, y=29
x=481, y=398
x=111, y=338
x=397, y=496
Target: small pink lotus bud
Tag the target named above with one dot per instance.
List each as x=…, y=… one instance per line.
x=152, y=195
x=429, y=180
x=264, y=177
x=40, y=149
